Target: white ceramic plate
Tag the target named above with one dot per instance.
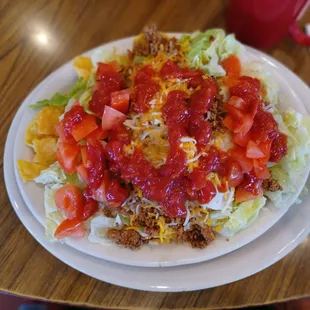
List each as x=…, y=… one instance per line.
x=149, y=255
x=259, y=254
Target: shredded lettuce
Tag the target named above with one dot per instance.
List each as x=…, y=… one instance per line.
x=85, y=98
x=290, y=172
x=244, y=214
x=99, y=226
x=53, y=216
x=207, y=49
x=102, y=55
x=77, y=89
x=59, y=100
x=53, y=178
x=54, y=174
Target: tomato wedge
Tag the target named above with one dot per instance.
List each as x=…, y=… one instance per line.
x=253, y=150
x=60, y=129
x=261, y=170
x=240, y=122
x=238, y=153
x=229, y=122
x=237, y=102
x=67, y=156
x=98, y=134
x=90, y=205
x=234, y=174
x=242, y=139
x=120, y=100
x=206, y=194
x=242, y=194
x=99, y=193
x=69, y=199
x=111, y=117
x=73, y=227
x=83, y=128
x=232, y=66
x=266, y=147
x=116, y=194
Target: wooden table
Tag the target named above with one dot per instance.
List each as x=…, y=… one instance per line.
x=38, y=36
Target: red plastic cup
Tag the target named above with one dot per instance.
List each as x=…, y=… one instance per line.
x=264, y=23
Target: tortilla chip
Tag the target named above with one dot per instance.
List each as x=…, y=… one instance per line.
x=45, y=150
x=83, y=66
x=32, y=133
x=47, y=119
x=29, y=170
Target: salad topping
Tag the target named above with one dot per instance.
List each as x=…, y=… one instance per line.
x=171, y=142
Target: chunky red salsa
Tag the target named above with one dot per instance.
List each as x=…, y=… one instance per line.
x=106, y=167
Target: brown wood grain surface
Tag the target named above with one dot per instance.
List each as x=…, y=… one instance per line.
x=73, y=26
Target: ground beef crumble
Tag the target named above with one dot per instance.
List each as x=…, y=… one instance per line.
x=271, y=185
x=146, y=221
x=107, y=212
x=152, y=42
x=216, y=115
x=128, y=238
x=198, y=237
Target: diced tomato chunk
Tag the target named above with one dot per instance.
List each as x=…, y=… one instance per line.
x=111, y=117
x=228, y=122
x=115, y=65
x=101, y=98
x=253, y=150
x=70, y=227
x=241, y=122
x=60, y=130
x=264, y=127
x=238, y=153
x=99, y=193
x=234, y=174
x=116, y=193
x=244, y=195
x=90, y=205
x=89, y=209
x=82, y=171
x=278, y=148
x=87, y=125
x=232, y=66
x=261, y=170
x=109, y=77
x=95, y=162
x=250, y=188
x=120, y=133
x=241, y=139
x=67, y=156
x=79, y=231
x=237, y=102
x=120, y=100
x=69, y=199
x=98, y=134
x=170, y=70
x=144, y=75
x=145, y=89
x=245, y=86
x=206, y=194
